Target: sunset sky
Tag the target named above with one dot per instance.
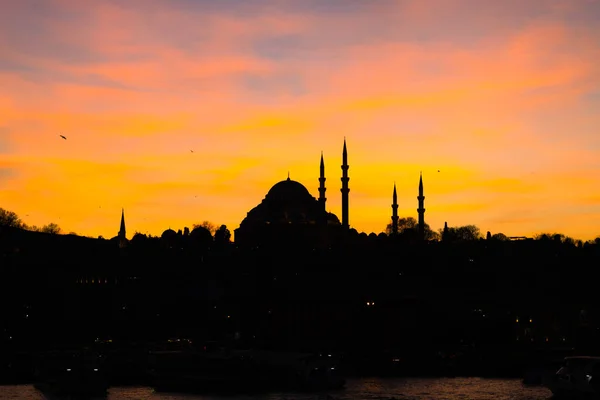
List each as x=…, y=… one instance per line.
x=502, y=97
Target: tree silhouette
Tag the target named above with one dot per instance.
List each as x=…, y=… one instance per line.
x=543, y=236
x=408, y=227
x=10, y=218
x=222, y=236
x=500, y=236
x=461, y=233
x=138, y=238
x=212, y=228
x=556, y=237
x=51, y=228
x=430, y=234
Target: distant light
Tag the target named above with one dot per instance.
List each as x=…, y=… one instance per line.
x=96, y=369
x=530, y=320
x=517, y=320
x=68, y=369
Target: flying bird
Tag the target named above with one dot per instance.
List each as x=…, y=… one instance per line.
x=438, y=170
x=64, y=137
x=192, y=151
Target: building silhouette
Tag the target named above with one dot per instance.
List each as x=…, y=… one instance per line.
x=421, y=210
x=289, y=213
x=322, y=189
x=122, y=236
x=345, y=189
x=394, y=211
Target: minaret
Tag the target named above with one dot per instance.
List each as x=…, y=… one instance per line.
x=322, y=189
x=421, y=210
x=394, y=212
x=122, y=230
x=345, y=190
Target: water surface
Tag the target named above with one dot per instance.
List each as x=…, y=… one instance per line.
x=356, y=389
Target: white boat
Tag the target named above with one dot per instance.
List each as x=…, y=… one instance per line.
x=578, y=376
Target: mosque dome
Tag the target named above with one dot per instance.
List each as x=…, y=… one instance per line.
x=288, y=202
x=168, y=234
x=288, y=191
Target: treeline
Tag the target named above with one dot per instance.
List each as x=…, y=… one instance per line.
x=407, y=232
x=407, y=229
x=11, y=219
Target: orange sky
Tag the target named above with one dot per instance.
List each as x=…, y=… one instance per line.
x=502, y=97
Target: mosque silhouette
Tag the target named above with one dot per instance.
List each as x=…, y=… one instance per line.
x=289, y=213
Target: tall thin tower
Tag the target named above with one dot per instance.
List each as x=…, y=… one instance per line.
x=421, y=209
x=394, y=212
x=322, y=188
x=122, y=230
x=345, y=190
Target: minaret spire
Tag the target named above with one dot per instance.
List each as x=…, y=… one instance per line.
x=322, y=188
x=394, y=211
x=122, y=236
x=345, y=189
x=122, y=230
x=421, y=209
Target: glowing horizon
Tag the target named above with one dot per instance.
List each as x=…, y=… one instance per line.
x=502, y=99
